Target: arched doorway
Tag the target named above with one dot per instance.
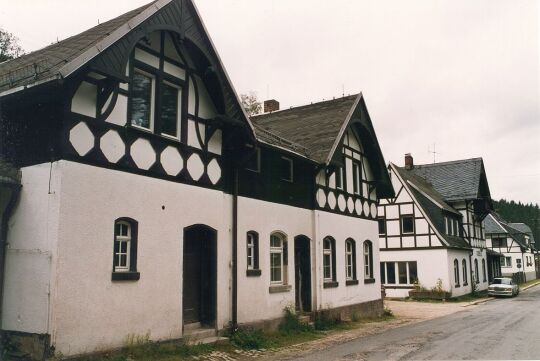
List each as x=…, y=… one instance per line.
x=302, y=273
x=199, y=275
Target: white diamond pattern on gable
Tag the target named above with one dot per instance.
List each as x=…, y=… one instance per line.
x=342, y=203
x=214, y=171
x=112, y=146
x=171, y=161
x=81, y=138
x=195, y=166
x=143, y=154
x=321, y=198
x=331, y=200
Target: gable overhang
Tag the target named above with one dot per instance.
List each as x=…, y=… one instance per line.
x=359, y=118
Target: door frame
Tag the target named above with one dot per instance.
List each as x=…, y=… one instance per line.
x=301, y=242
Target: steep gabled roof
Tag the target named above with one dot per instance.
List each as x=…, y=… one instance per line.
x=522, y=227
x=456, y=180
x=312, y=128
x=49, y=63
x=494, y=223
x=432, y=205
x=316, y=132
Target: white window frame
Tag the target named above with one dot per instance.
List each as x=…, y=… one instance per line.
x=367, y=264
x=402, y=223
x=277, y=250
x=250, y=251
x=152, y=101
x=349, y=260
x=357, y=172
x=122, y=239
x=340, y=171
x=178, y=111
x=327, y=251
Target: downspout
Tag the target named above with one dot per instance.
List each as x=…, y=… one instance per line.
x=235, y=250
x=15, y=189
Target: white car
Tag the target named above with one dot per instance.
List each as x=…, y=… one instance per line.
x=503, y=287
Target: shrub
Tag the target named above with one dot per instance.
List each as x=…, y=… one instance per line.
x=292, y=324
x=249, y=339
x=324, y=322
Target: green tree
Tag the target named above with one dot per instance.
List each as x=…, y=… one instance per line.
x=9, y=46
x=251, y=103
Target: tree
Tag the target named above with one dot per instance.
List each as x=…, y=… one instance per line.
x=250, y=103
x=9, y=46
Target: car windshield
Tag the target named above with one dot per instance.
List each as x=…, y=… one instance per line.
x=502, y=281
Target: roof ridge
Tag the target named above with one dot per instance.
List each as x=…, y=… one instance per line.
x=307, y=105
x=448, y=162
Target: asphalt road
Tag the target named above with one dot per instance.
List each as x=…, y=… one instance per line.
x=501, y=329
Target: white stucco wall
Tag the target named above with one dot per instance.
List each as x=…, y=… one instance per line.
x=432, y=265
x=92, y=312
x=460, y=256
x=32, y=235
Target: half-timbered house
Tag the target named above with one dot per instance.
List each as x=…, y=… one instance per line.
x=430, y=233
x=515, y=244
x=148, y=203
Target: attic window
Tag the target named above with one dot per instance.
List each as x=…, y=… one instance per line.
x=286, y=169
x=339, y=178
x=407, y=224
x=142, y=99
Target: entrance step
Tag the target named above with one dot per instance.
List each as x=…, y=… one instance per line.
x=195, y=335
x=192, y=326
x=207, y=340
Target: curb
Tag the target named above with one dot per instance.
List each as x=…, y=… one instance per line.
x=479, y=301
x=529, y=286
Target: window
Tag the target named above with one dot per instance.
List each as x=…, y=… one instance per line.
x=407, y=224
x=286, y=169
x=498, y=242
x=446, y=225
x=406, y=272
x=508, y=261
x=252, y=247
x=329, y=262
x=356, y=178
x=170, y=109
x=350, y=260
x=125, y=250
x=254, y=161
x=464, y=270
x=142, y=99
x=368, y=260
x=382, y=226
x=484, y=278
x=339, y=178
x=456, y=273
x=476, y=273
x=278, y=248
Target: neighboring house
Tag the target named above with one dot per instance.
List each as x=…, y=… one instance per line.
x=515, y=242
x=152, y=205
x=431, y=233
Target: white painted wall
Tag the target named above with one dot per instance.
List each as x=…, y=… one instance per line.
x=94, y=313
x=460, y=256
x=32, y=235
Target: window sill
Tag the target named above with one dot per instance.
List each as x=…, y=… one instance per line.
x=279, y=288
x=126, y=276
x=351, y=282
x=253, y=272
x=330, y=284
x=369, y=280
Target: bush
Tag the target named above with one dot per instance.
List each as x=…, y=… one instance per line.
x=249, y=339
x=324, y=322
x=292, y=324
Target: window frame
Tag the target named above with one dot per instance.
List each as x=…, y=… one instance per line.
x=350, y=260
x=402, y=223
x=464, y=270
x=180, y=90
x=367, y=249
x=357, y=178
x=129, y=271
x=484, y=273
x=476, y=271
x=257, y=154
x=281, y=250
x=291, y=169
x=383, y=220
x=341, y=186
x=457, y=278
x=329, y=253
x=252, y=270
x=151, y=128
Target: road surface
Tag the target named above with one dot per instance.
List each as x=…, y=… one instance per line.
x=501, y=329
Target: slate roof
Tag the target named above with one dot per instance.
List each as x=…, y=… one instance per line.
x=46, y=63
x=432, y=205
x=310, y=129
x=494, y=223
x=522, y=227
x=455, y=180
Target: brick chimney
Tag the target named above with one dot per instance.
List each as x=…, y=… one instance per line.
x=271, y=105
x=409, y=164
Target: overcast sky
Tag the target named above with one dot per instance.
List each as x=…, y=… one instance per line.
x=463, y=75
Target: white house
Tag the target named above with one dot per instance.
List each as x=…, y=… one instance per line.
x=515, y=242
x=430, y=233
x=142, y=199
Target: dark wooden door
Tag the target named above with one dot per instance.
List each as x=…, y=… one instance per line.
x=302, y=273
x=192, y=280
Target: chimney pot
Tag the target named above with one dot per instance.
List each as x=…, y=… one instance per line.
x=409, y=164
x=271, y=105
